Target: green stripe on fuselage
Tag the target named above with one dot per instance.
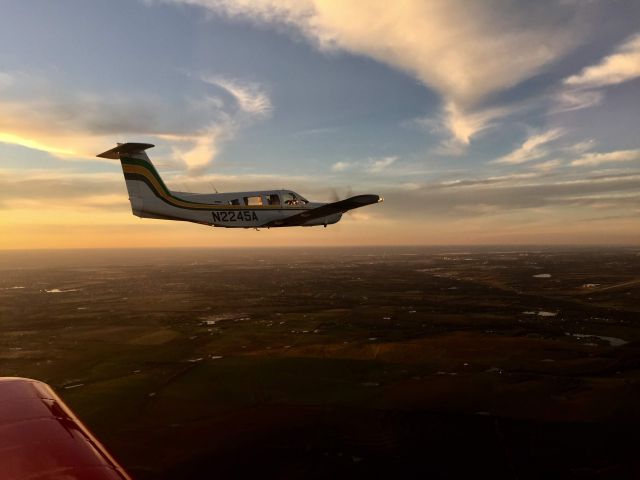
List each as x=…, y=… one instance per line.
x=150, y=168
x=184, y=203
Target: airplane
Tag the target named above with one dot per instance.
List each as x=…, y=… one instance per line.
x=150, y=198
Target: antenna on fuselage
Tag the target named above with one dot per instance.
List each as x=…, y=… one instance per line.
x=213, y=187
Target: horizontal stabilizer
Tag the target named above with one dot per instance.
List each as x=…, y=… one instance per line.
x=125, y=148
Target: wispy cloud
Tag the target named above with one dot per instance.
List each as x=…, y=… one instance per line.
x=547, y=166
x=568, y=100
x=581, y=147
x=341, y=166
x=491, y=180
x=464, y=124
x=531, y=149
x=371, y=165
x=592, y=159
x=465, y=57
x=621, y=66
x=460, y=125
x=195, y=152
x=59, y=187
x=381, y=164
x=250, y=96
x=312, y=132
x=251, y=103
x=69, y=127
x=523, y=193
x=584, y=89
x=78, y=124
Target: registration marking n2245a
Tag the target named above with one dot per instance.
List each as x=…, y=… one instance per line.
x=236, y=216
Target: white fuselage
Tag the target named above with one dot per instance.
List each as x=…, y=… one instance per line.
x=229, y=210
x=151, y=198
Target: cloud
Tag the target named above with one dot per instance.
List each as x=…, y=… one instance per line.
x=581, y=147
x=460, y=124
x=71, y=189
x=621, y=66
x=492, y=205
x=250, y=96
x=196, y=152
x=464, y=50
x=605, y=196
x=582, y=90
x=48, y=187
x=252, y=102
x=341, y=166
x=592, y=159
x=410, y=186
x=372, y=165
x=311, y=132
x=77, y=125
x=569, y=100
x=41, y=189
x=381, y=164
x=474, y=182
x=547, y=166
x=521, y=194
x=464, y=124
x=531, y=149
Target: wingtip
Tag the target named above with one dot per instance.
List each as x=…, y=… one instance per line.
x=367, y=199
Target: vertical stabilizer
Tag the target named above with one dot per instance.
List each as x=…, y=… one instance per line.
x=140, y=175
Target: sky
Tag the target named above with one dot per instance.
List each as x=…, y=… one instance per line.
x=479, y=122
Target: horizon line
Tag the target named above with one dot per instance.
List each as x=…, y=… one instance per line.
x=326, y=247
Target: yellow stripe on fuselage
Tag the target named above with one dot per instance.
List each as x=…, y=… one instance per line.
x=176, y=202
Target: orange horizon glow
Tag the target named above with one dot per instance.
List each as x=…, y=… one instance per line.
x=443, y=108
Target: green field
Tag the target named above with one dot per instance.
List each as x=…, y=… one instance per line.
x=329, y=362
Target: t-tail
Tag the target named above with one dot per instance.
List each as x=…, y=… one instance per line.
x=139, y=172
x=148, y=194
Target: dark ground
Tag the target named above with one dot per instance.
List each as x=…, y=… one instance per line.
x=320, y=363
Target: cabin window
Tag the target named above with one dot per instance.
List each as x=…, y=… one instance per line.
x=291, y=198
x=257, y=200
x=234, y=202
x=273, y=199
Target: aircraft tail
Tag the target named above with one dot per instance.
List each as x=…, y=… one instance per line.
x=142, y=179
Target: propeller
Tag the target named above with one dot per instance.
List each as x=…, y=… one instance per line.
x=336, y=197
x=343, y=194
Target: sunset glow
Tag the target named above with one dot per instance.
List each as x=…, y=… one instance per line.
x=478, y=125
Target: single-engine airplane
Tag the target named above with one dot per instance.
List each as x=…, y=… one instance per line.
x=150, y=198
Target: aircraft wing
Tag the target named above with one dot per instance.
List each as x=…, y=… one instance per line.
x=326, y=210
x=41, y=438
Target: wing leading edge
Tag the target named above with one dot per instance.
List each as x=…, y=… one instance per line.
x=326, y=210
x=40, y=438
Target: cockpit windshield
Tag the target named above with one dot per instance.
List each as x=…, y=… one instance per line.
x=291, y=198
